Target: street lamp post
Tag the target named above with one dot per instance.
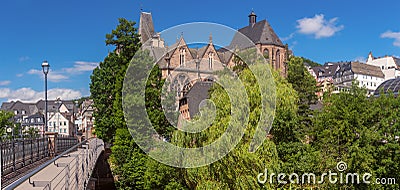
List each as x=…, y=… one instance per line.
x=74, y=117
x=45, y=66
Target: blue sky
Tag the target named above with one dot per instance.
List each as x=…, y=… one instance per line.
x=71, y=34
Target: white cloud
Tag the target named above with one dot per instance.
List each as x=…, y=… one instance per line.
x=81, y=66
x=64, y=73
x=318, y=26
x=20, y=75
x=30, y=95
x=5, y=83
x=53, y=76
x=361, y=59
x=288, y=37
x=24, y=58
x=394, y=35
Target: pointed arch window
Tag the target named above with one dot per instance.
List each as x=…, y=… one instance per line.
x=266, y=54
x=278, y=59
x=182, y=52
x=210, y=60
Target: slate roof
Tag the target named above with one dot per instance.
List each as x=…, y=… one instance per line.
x=146, y=26
x=33, y=108
x=396, y=61
x=35, y=122
x=326, y=70
x=196, y=94
x=224, y=55
x=259, y=33
x=365, y=69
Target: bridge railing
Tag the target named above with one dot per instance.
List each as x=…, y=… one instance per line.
x=18, y=153
x=74, y=174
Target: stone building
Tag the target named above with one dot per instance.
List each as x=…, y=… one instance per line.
x=183, y=66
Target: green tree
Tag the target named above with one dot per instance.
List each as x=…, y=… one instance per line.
x=131, y=166
x=107, y=79
x=306, y=88
x=239, y=168
x=359, y=131
x=302, y=82
x=5, y=120
x=310, y=62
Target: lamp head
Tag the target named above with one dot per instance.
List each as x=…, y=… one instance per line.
x=45, y=66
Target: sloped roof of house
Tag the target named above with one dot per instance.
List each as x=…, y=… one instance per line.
x=39, y=106
x=196, y=94
x=396, y=61
x=259, y=33
x=326, y=70
x=365, y=69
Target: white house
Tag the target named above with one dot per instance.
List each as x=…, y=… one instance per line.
x=59, y=123
x=366, y=75
x=389, y=65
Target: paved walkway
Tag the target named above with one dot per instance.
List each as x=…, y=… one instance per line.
x=72, y=171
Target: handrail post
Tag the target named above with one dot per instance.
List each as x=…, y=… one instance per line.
x=52, y=136
x=13, y=151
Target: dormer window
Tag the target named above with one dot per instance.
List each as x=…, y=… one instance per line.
x=210, y=60
x=182, y=52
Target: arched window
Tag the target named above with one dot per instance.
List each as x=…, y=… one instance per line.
x=266, y=54
x=278, y=59
x=182, y=52
x=210, y=60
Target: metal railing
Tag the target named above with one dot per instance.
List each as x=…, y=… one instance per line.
x=19, y=152
x=65, y=142
x=75, y=173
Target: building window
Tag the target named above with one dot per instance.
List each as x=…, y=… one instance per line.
x=15, y=112
x=65, y=130
x=182, y=56
x=210, y=60
x=65, y=123
x=266, y=54
x=23, y=112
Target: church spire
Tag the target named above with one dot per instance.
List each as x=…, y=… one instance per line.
x=252, y=18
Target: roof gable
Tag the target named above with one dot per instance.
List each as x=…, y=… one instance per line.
x=209, y=48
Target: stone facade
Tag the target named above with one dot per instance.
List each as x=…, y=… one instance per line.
x=183, y=66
